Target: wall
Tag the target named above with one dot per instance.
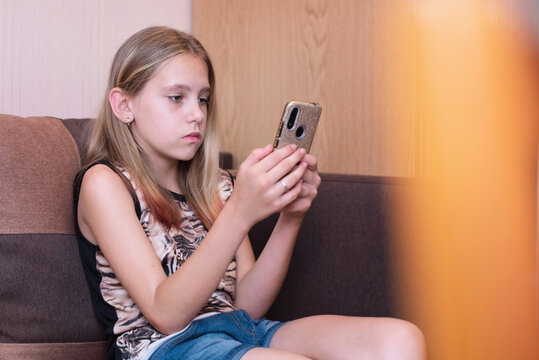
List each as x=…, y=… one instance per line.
x=55, y=55
x=339, y=53
x=358, y=59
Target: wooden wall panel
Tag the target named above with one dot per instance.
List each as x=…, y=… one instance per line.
x=341, y=53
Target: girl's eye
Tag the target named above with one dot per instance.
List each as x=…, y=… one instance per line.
x=203, y=101
x=175, y=98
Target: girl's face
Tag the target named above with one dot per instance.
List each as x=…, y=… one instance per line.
x=170, y=111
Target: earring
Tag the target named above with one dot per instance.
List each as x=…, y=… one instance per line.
x=128, y=120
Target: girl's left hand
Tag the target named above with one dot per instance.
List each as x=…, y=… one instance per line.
x=309, y=190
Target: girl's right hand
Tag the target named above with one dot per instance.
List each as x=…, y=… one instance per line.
x=267, y=181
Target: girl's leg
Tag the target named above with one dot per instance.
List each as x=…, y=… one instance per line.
x=342, y=337
x=261, y=353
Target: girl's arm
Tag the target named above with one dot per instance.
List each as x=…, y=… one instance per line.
x=107, y=218
x=259, y=283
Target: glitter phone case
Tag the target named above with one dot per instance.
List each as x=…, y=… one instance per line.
x=298, y=124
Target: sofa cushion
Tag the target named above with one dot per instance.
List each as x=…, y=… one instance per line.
x=38, y=163
x=44, y=296
x=53, y=351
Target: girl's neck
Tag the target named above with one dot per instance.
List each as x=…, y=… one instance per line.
x=166, y=175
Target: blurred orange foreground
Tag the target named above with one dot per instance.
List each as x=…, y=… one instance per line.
x=469, y=254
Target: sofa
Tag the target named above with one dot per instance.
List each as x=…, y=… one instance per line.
x=341, y=263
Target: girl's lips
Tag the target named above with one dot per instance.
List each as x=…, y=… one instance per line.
x=194, y=136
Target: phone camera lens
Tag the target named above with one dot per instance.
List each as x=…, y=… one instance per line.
x=300, y=132
x=292, y=119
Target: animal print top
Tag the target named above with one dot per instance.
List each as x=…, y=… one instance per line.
x=128, y=331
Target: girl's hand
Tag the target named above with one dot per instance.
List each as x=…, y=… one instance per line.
x=309, y=189
x=267, y=182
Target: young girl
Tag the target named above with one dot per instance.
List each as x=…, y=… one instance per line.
x=163, y=235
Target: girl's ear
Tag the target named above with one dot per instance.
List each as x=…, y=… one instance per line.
x=119, y=103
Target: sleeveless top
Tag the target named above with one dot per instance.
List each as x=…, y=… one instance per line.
x=128, y=332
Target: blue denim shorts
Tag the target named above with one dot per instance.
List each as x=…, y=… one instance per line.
x=227, y=336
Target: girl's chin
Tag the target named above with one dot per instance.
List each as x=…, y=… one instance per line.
x=187, y=155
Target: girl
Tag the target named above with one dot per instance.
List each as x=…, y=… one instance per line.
x=163, y=239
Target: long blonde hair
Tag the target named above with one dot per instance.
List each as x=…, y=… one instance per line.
x=134, y=64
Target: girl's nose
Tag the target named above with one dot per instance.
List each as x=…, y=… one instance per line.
x=196, y=113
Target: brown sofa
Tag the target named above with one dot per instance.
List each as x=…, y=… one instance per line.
x=340, y=264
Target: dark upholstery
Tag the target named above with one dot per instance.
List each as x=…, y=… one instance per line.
x=340, y=264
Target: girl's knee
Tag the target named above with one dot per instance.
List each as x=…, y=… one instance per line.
x=402, y=340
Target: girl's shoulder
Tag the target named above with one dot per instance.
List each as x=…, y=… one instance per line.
x=98, y=173
x=99, y=179
x=226, y=176
x=93, y=171
x=226, y=184
x=102, y=178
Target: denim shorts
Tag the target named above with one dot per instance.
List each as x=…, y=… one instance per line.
x=226, y=335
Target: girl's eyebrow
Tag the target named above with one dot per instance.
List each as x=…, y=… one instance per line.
x=185, y=88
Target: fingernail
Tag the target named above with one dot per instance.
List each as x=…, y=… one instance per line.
x=293, y=146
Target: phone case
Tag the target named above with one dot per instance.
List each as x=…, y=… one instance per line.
x=298, y=124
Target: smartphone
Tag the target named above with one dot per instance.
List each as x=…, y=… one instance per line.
x=298, y=124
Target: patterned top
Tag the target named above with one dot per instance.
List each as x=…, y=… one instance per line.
x=128, y=331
